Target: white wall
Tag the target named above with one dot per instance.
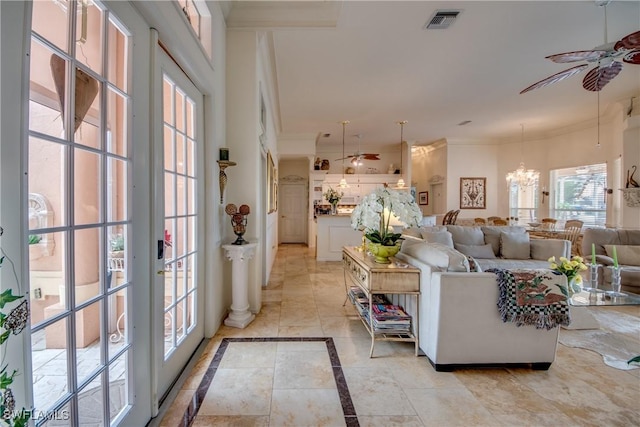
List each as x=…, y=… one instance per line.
x=563, y=148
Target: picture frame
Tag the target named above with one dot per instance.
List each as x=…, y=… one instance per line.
x=263, y=114
x=423, y=198
x=271, y=184
x=473, y=193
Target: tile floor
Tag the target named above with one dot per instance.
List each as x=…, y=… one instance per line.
x=267, y=382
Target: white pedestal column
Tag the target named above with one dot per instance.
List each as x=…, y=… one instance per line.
x=239, y=255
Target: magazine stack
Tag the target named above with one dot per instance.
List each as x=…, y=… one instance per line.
x=390, y=318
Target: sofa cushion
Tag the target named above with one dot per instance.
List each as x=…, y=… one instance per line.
x=476, y=251
x=437, y=255
x=511, y=264
x=627, y=254
x=443, y=237
x=466, y=235
x=492, y=235
x=515, y=245
x=417, y=231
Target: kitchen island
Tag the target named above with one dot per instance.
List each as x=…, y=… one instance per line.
x=334, y=232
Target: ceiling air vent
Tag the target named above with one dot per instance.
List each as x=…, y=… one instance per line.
x=442, y=19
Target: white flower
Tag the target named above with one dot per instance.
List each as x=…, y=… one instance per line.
x=374, y=213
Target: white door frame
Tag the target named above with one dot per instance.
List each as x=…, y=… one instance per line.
x=166, y=372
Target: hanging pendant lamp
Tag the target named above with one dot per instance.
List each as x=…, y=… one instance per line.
x=343, y=181
x=401, y=183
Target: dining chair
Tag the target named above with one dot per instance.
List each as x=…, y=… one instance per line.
x=573, y=223
x=454, y=217
x=500, y=221
x=479, y=221
x=572, y=234
x=549, y=223
x=446, y=220
x=491, y=219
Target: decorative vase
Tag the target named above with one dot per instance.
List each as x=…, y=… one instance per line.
x=573, y=285
x=615, y=282
x=593, y=278
x=334, y=208
x=381, y=253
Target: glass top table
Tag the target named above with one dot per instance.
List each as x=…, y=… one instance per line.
x=592, y=298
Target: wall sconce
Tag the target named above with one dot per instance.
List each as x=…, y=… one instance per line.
x=222, y=176
x=607, y=191
x=544, y=193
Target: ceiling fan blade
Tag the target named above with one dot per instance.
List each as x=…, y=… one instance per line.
x=631, y=41
x=598, y=78
x=632, y=57
x=580, y=55
x=555, y=78
x=370, y=156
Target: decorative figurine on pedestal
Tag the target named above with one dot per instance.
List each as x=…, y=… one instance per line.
x=238, y=221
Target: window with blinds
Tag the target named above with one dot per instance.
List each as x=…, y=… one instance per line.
x=580, y=193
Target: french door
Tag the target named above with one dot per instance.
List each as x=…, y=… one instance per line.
x=80, y=172
x=178, y=221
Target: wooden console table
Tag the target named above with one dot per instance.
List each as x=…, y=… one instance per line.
x=397, y=278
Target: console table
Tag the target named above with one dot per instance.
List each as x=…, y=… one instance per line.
x=396, y=278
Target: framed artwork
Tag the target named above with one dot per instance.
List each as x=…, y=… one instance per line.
x=263, y=114
x=423, y=198
x=271, y=184
x=473, y=193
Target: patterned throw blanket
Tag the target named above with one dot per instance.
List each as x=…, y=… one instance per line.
x=532, y=297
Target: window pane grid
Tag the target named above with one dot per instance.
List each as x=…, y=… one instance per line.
x=580, y=193
x=80, y=218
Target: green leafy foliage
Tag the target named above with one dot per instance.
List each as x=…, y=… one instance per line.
x=34, y=238
x=7, y=297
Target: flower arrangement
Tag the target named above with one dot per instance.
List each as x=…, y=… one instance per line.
x=373, y=214
x=333, y=196
x=570, y=268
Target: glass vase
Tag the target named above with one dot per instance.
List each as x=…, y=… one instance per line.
x=593, y=278
x=615, y=282
x=334, y=208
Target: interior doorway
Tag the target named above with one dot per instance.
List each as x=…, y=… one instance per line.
x=293, y=203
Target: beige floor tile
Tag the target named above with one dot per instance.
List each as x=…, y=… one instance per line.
x=245, y=391
x=321, y=408
x=392, y=421
x=231, y=421
x=175, y=413
x=303, y=370
x=375, y=392
x=449, y=407
x=249, y=355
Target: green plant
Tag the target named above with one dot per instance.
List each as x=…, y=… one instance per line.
x=34, y=238
x=333, y=196
x=117, y=242
x=12, y=322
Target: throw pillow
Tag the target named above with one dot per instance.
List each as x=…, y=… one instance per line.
x=412, y=231
x=492, y=235
x=474, y=267
x=627, y=254
x=466, y=235
x=438, y=255
x=515, y=245
x=477, y=251
x=443, y=237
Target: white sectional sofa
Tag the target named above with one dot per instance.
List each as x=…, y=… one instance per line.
x=460, y=324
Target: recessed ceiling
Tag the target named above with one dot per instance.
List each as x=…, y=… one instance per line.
x=373, y=63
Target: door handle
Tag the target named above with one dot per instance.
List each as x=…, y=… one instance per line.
x=282, y=216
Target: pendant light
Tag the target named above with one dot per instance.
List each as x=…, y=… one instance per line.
x=343, y=181
x=523, y=177
x=400, y=183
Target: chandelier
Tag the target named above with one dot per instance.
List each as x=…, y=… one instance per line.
x=522, y=176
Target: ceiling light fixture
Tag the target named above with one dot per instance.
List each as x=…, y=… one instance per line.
x=400, y=183
x=523, y=177
x=343, y=181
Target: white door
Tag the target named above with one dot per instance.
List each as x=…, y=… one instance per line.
x=178, y=222
x=293, y=213
x=437, y=197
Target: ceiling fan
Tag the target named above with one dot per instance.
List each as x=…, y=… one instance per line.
x=607, y=58
x=361, y=156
